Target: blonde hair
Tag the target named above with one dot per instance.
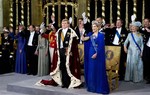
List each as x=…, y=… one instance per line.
x=65, y=20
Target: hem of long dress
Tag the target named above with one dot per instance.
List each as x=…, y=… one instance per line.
x=99, y=92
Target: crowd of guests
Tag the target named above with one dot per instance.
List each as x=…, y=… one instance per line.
x=42, y=50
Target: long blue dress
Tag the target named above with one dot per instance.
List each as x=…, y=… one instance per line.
x=134, y=66
x=95, y=69
x=21, y=66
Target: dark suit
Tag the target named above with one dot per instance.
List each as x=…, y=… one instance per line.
x=7, y=44
x=87, y=28
x=146, y=55
x=62, y=51
x=123, y=36
x=78, y=33
x=32, y=59
x=107, y=33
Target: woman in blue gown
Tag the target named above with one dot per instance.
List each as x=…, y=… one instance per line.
x=94, y=61
x=21, y=66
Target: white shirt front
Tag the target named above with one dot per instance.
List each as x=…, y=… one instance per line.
x=31, y=38
x=64, y=31
x=116, y=39
x=6, y=37
x=100, y=30
x=148, y=43
x=81, y=33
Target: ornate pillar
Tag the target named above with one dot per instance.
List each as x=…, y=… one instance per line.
x=22, y=11
x=88, y=10
x=66, y=9
x=134, y=7
x=53, y=8
x=82, y=5
x=47, y=15
x=11, y=13
x=59, y=12
x=111, y=17
x=103, y=8
x=16, y=12
x=118, y=9
x=126, y=13
x=143, y=10
x=1, y=15
x=96, y=9
x=6, y=12
x=36, y=12
x=73, y=14
x=28, y=12
x=42, y=15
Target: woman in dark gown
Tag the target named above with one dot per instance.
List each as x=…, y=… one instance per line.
x=94, y=61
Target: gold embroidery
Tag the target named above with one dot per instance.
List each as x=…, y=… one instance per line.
x=62, y=36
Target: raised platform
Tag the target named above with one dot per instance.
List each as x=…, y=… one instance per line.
x=29, y=87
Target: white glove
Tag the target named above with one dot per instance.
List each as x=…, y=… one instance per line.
x=42, y=25
x=85, y=20
x=10, y=56
x=103, y=22
x=70, y=20
x=41, y=31
x=133, y=17
x=83, y=15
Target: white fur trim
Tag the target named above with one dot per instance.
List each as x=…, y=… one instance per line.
x=57, y=77
x=56, y=74
x=74, y=82
x=39, y=83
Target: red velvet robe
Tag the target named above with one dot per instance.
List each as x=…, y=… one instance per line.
x=74, y=70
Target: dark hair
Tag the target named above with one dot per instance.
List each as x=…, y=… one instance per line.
x=80, y=18
x=33, y=26
x=147, y=19
x=120, y=20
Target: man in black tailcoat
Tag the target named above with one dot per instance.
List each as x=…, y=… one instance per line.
x=118, y=35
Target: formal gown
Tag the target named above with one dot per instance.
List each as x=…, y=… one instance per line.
x=43, y=63
x=21, y=66
x=95, y=69
x=134, y=64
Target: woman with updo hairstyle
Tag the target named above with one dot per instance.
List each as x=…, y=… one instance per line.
x=94, y=61
x=134, y=64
